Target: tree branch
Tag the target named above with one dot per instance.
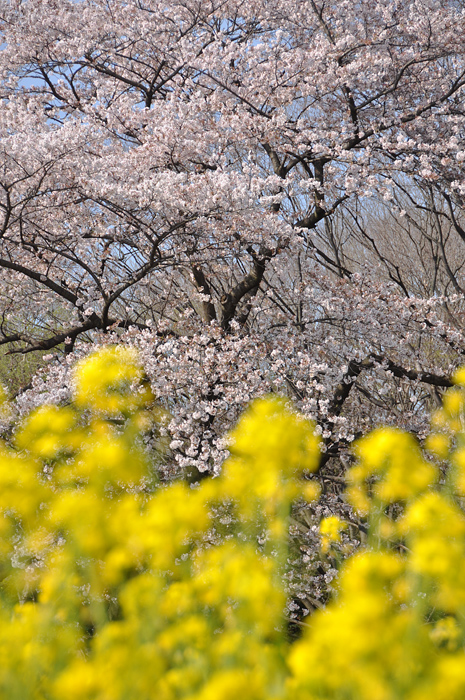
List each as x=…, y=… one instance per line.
x=348, y=380
x=208, y=308
x=248, y=284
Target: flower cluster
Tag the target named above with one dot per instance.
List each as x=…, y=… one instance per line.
x=114, y=588
x=396, y=628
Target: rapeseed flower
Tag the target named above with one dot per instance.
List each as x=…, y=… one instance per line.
x=113, y=588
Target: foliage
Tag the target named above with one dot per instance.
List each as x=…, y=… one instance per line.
x=112, y=587
x=16, y=370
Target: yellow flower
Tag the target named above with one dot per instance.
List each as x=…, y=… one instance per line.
x=438, y=444
x=233, y=684
x=395, y=459
x=311, y=491
x=459, y=376
x=330, y=531
x=49, y=431
x=271, y=433
x=110, y=380
x=446, y=633
x=453, y=402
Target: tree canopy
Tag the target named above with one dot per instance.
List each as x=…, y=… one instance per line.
x=261, y=195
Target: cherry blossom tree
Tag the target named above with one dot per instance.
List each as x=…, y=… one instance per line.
x=262, y=195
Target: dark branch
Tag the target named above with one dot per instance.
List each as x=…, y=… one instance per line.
x=208, y=308
x=249, y=283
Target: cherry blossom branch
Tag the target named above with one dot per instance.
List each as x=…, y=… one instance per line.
x=41, y=278
x=343, y=389
x=355, y=368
